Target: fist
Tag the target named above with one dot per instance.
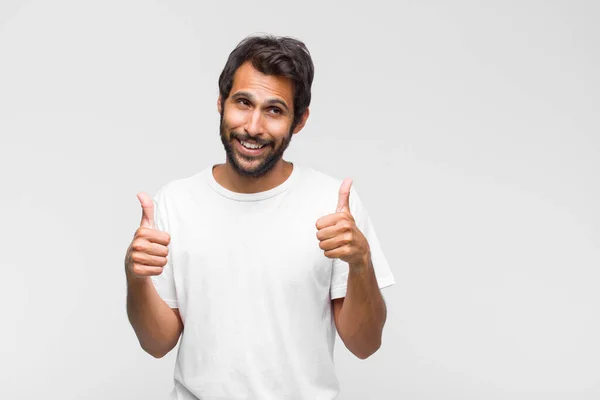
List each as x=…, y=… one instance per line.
x=338, y=235
x=147, y=253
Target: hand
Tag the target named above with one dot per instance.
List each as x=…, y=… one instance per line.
x=338, y=234
x=147, y=253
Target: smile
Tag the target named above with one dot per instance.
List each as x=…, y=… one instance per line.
x=250, y=148
x=251, y=145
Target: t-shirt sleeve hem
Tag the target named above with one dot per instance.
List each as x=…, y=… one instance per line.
x=164, y=293
x=340, y=291
x=386, y=281
x=337, y=293
x=171, y=303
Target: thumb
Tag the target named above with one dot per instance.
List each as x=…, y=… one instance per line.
x=147, y=210
x=344, y=196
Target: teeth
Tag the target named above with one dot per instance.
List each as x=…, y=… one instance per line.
x=251, y=145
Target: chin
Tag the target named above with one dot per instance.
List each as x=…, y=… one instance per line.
x=250, y=169
x=253, y=169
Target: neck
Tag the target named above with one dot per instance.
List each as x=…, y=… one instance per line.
x=232, y=180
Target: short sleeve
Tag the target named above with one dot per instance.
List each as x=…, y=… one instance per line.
x=165, y=282
x=383, y=273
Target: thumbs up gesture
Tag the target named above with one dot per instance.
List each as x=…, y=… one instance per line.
x=147, y=253
x=338, y=234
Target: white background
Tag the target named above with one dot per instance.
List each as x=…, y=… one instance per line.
x=471, y=130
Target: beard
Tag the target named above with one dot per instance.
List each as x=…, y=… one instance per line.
x=273, y=152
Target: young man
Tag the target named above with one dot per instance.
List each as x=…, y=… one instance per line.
x=256, y=262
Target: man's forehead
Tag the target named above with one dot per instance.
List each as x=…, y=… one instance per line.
x=250, y=80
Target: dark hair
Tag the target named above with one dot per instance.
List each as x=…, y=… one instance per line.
x=272, y=55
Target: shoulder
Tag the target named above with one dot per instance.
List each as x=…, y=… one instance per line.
x=182, y=187
x=328, y=185
x=320, y=181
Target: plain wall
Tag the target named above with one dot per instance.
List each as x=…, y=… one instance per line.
x=471, y=130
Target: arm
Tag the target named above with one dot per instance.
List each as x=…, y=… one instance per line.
x=156, y=325
x=361, y=315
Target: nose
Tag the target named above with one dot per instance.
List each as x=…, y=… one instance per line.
x=254, y=123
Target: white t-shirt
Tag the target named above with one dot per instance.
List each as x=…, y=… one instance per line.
x=253, y=287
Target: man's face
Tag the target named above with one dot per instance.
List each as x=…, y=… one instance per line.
x=258, y=112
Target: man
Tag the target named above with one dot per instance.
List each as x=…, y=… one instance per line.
x=250, y=261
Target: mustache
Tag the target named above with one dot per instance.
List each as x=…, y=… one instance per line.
x=248, y=138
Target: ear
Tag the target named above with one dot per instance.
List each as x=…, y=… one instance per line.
x=219, y=105
x=302, y=121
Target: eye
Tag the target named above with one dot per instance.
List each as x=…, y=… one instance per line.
x=243, y=102
x=275, y=110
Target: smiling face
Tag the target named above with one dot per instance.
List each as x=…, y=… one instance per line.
x=256, y=121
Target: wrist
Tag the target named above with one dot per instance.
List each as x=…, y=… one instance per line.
x=137, y=280
x=363, y=263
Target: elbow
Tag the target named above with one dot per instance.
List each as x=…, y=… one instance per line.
x=363, y=354
x=157, y=348
x=365, y=348
x=156, y=351
x=364, y=345
x=156, y=354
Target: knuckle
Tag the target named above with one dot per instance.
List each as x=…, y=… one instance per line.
x=162, y=251
x=161, y=237
x=138, y=245
x=349, y=238
x=137, y=269
x=137, y=257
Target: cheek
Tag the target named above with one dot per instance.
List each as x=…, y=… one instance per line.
x=278, y=128
x=234, y=119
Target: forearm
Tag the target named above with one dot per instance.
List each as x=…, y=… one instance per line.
x=156, y=325
x=363, y=313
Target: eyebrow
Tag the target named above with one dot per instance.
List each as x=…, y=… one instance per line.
x=269, y=102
